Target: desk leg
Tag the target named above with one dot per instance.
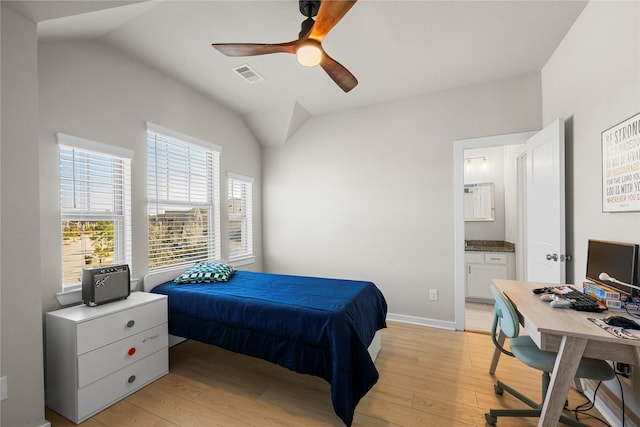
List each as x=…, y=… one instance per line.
x=497, y=353
x=637, y=352
x=567, y=361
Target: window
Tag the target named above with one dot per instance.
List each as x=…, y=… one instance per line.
x=95, y=205
x=240, y=216
x=183, y=198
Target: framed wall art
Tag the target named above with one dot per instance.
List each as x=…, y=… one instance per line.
x=621, y=166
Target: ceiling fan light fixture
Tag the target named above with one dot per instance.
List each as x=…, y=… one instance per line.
x=309, y=53
x=307, y=47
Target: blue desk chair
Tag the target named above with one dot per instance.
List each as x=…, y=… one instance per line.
x=525, y=350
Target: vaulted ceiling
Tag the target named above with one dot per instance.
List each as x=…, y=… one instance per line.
x=396, y=49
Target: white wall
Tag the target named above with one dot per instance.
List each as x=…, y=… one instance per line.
x=593, y=81
x=368, y=193
x=500, y=169
x=21, y=321
x=88, y=89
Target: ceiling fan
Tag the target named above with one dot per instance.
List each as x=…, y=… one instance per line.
x=308, y=46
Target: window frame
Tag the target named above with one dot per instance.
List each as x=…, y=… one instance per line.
x=246, y=217
x=156, y=204
x=121, y=201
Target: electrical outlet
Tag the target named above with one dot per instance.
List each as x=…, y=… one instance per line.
x=3, y=388
x=623, y=369
x=433, y=294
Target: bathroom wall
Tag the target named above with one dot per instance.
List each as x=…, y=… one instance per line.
x=476, y=171
x=500, y=169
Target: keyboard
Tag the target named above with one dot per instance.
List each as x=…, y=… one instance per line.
x=579, y=301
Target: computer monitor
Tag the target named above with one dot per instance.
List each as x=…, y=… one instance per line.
x=618, y=260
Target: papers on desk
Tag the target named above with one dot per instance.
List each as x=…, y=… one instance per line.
x=629, y=334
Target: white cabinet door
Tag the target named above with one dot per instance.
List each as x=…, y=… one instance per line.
x=480, y=277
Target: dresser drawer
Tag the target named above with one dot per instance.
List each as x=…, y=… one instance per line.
x=100, y=331
x=108, y=390
x=495, y=258
x=103, y=361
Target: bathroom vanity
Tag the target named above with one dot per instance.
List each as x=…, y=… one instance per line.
x=486, y=260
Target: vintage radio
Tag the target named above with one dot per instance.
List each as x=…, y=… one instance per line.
x=105, y=284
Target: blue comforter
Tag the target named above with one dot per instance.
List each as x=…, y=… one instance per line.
x=310, y=325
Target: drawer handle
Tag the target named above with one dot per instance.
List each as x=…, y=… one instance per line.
x=131, y=379
x=131, y=351
x=130, y=323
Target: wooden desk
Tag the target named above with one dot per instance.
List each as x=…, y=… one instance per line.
x=567, y=332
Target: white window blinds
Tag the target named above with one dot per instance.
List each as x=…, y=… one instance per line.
x=240, y=202
x=183, y=199
x=95, y=205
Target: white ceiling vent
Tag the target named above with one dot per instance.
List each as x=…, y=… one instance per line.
x=248, y=74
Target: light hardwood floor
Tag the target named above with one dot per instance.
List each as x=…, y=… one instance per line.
x=478, y=317
x=428, y=377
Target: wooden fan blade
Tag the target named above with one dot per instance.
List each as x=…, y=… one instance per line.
x=252, y=49
x=338, y=73
x=329, y=14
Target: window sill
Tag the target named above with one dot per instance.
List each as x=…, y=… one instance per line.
x=240, y=261
x=70, y=296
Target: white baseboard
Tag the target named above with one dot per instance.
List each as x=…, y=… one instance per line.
x=46, y=424
x=422, y=321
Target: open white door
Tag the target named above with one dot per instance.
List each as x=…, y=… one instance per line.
x=545, y=205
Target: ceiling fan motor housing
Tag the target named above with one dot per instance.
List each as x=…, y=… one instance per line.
x=309, y=8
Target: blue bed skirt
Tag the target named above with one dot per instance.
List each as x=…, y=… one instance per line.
x=310, y=325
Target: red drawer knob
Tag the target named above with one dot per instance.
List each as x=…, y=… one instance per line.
x=131, y=351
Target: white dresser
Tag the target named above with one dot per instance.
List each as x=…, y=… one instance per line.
x=95, y=356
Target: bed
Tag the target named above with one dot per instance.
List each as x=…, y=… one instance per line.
x=323, y=327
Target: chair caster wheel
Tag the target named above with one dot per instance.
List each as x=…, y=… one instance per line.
x=491, y=420
x=497, y=389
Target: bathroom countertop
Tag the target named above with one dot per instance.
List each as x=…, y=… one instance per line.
x=489, y=246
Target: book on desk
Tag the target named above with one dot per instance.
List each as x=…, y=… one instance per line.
x=611, y=298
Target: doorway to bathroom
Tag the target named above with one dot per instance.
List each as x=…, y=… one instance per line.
x=539, y=223
x=490, y=174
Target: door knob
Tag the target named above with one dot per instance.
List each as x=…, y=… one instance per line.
x=563, y=258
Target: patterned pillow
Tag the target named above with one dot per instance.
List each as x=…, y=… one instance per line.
x=206, y=272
